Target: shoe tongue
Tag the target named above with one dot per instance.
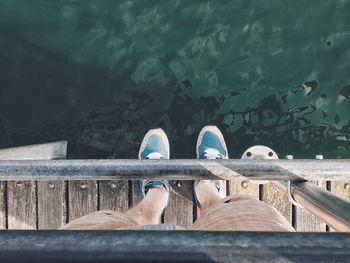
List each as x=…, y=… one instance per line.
x=211, y=153
x=155, y=155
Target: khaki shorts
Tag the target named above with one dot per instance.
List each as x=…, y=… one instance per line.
x=237, y=213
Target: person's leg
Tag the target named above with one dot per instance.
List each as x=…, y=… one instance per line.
x=210, y=145
x=150, y=209
x=230, y=213
x=208, y=195
x=155, y=145
x=237, y=214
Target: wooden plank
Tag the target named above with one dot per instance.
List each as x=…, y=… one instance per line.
x=113, y=195
x=52, y=199
x=180, y=208
x=52, y=204
x=243, y=187
x=275, y=197
x=341, y=189
x=82, y=198
x=135, y=193
x=306, y=221
x=44, y=151
x=22, y=209
x=3, y=212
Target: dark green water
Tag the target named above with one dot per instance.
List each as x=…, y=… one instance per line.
x=101, y=73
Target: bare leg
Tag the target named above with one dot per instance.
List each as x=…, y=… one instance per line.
x=150, y=209
x=208, y=194
x=235, y=213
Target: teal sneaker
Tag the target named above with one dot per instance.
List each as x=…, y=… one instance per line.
x=155, y=145
x=211, y=145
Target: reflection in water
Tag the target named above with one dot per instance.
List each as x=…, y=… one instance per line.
x=101, y=73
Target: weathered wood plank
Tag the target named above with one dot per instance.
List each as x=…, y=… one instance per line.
x=341, y=189
x=180, y=207
x=113, y=195
x=135, y=193
x=52, y=204
x=275, y=197
x=243, y=187
x=3, y=212
x=82, y=198
x=52, y=198
x=306, y=221
x=22, y=205
x=31, y=204
x=44, y=151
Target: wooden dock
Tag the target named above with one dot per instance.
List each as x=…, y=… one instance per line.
x=49, y=205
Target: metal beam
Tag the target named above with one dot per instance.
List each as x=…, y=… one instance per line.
x=281, y=170
x=331, y=209
x=172, y=246
x=44, y=151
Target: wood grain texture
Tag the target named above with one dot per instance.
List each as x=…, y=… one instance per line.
x=52, y=204
x=306, y=221
x=275, y=197
x=113, y=195
x=82, y=198
x=3, y=210
x=22, y=205
x=341, y=189
x=243, y=187
x=180, y=208
x=135, y=193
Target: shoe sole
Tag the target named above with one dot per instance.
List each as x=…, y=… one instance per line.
x=159, y=132
x=214, y=130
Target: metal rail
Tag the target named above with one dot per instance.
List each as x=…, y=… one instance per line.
x=281, y=170
x=172, y=246
x=331, y=209
x=25, y=164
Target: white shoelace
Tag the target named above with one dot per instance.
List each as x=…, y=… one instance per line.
x=211, y=154
x=155, y=155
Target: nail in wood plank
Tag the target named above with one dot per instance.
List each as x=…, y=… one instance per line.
x=180, y=207
x=113, y=195
x=22, y=213
x=243, y=187
x=22, y=196
x=305, y=221
x=52, y=204
x=82, y=198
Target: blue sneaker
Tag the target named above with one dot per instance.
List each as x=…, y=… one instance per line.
x=155, y=145
x=211, y=144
